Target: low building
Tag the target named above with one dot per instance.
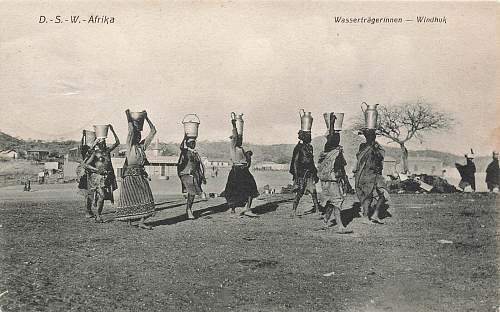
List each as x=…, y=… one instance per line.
x=37, y=154
x=425, y=165
x=270, y=166
x=162, y=167
x=390, y=166
x=215, y=163
x=159, y=167
x=51, y=166
x=9, y=153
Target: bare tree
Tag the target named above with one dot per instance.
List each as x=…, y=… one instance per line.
x=404, y=122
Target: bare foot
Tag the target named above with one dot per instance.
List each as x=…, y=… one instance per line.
x=376, y=221
x=144, y=226
x=98, y=219
x=313, y=210
x=344, y=231
x=250, y=214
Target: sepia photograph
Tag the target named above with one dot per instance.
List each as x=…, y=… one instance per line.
x=249, y=156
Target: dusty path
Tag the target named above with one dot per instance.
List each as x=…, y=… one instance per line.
x=54, y=260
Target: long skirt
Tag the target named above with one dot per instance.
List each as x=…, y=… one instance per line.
x=239, y=187
x=332, y=192
x=372, y=191
x=136, y=199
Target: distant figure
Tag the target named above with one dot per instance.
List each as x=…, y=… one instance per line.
x=27, y=186
x=136, y=200
x=101, y=181
x=370, y=184
x=191, y=172
x=304, y=172
x=467, y=173
x=41, y=177
x=241, y=187
x=493, y=174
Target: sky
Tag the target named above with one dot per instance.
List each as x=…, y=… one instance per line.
x=266, y=60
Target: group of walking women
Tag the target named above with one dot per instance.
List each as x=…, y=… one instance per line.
x=97, y=180
x=135, y=203
x=369, y=183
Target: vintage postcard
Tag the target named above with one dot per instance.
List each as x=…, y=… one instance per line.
x=249, y=156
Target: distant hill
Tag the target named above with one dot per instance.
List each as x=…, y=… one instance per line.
x=7, y=141
x=56, y=148
x=279, y=153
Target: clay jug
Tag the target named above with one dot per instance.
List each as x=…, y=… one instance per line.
x=191, y=124
x=371, y=115
x=306, y=120
x=101, y=131
x=239, y=122
x=138, y=119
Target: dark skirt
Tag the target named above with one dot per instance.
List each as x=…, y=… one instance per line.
x=239, y=187
x=136, y=199
x=191, y=185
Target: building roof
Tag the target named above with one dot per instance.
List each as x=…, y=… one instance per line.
x=8, y=151
x=163, y=159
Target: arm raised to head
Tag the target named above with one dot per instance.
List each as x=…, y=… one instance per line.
x=117, y=140
x=152, y=132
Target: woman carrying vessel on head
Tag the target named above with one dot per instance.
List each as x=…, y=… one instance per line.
x=191, y=171
x=101, y=180
x=136, y=200
x=241, y=188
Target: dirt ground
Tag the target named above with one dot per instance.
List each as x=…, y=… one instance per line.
x=53, y=259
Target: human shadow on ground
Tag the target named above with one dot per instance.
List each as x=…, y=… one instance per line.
x=178, y=203
x=202, y=213
x=197, y=213
x=269, y=206
x=347, y=215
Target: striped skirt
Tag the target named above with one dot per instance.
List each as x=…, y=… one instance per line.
x=136, y=199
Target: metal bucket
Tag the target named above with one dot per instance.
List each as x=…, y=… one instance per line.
x=240, y=123
x=138, y=119
x=306, y=120
x=191, y=124
x=338, y=120
x=101, y=131
x=371, y=115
